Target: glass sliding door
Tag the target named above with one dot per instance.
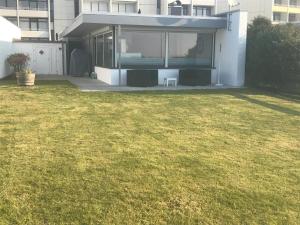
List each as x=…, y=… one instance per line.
x=142, y=48
x=99, y=50
x=104, y=50
x=108, y=50
x=190, y=49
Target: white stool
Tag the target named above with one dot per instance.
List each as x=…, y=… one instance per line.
x=168, y=80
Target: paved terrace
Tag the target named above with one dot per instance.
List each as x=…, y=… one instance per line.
x=86, y=84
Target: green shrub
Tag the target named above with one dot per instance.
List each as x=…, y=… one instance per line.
x=273, y=54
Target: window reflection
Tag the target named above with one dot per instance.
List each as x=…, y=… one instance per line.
x=190, y=49
x=142, y=48
x=105, y=50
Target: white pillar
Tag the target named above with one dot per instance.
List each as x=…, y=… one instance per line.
x=138, y=5
x=167, y=51
x=18, y=16
x=81, y=6
x=49, y=20
x=110, y=9
x=164, y=7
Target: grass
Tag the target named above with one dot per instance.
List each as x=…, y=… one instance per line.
x=189, y=157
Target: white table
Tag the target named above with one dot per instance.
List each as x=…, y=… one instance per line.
x=169, y=80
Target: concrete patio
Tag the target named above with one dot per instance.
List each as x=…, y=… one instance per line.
x=86, y=84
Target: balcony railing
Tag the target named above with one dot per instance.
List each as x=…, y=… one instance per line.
x=295, y=6
x=33, y=5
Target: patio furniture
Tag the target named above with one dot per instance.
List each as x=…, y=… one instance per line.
x=195, y=77
x=169, y=80
x=142, y=78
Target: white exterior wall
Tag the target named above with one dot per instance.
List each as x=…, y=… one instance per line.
x=254, y=8
x=148, y=7
x=45, y=58
x=64, y=14
x=20, y=13
x=111, y=76
x=8, y=34
x=230, y=52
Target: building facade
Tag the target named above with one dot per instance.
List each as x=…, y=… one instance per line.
x=278, y=11
x=45, y=19
x=66, y=10
x=32, y=16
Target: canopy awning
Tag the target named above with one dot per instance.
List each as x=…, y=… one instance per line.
x=88, y=22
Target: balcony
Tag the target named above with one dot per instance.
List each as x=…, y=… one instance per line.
x=295, y=3
x=128, y=6
x=294, y=6
x=33, y=5
x=279, y=17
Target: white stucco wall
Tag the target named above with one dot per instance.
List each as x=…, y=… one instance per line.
x=63, y=14
x=8, y=33
x=111, y=76
x=230, y=51
x=45, y=58
x=254, y=8
x=148, y=7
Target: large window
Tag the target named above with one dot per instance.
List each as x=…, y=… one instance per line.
x=124, y=7
x=12, y=4
x=142, y=48
x=108, y=50
x=104, y=51
x=34, y=24
x=190, y=49
x=12, y=20
x=276, y=16
x=201, y=11
x=99, y=6
x=33, y=5
x=99, y=50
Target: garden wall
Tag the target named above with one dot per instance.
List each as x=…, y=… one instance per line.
x=9, y=32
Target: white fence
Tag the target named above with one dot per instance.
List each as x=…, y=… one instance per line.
x=46, y=57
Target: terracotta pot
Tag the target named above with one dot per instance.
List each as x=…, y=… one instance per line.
x=25, y=79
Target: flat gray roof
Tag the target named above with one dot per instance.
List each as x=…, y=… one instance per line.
x=88, y=22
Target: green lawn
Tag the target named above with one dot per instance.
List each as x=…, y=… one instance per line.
x=192, y=157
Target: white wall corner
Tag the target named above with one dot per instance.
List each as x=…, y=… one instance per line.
x=10, y=32
x=230, y=54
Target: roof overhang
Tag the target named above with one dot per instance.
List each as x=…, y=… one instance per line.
x=89, y=22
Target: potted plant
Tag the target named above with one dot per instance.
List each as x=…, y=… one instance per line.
x=24, y=75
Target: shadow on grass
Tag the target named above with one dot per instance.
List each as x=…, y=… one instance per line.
x=267, y=105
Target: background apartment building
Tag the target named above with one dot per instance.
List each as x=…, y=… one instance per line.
x=44, y=19
x=150, y=7
x=278, y=11
x=32, y=16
